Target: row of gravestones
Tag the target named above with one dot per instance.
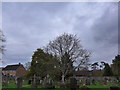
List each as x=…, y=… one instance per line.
x=103, y=81
x=73, y=85
x=35, y=82
x=108, y=79
x=7, y=79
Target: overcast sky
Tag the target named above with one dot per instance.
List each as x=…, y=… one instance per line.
x=28, y=26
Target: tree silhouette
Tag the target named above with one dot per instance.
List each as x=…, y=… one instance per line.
x=68, y=49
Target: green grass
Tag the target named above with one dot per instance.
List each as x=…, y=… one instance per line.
x=11, y=85
x=50, y=89
x=98, y=86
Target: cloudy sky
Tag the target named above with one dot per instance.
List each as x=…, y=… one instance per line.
x=28, y=26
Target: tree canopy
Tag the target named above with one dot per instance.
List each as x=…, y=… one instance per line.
x=107, y=70
x=42, y=64
x=69, y=51
x=116, y=65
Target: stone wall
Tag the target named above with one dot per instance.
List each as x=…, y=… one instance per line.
x=112, y=79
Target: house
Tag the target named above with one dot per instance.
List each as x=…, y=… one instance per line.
x=17, y=70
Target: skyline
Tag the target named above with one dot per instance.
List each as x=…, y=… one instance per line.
x=38, y=23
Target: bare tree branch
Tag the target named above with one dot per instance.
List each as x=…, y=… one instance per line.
x=69, y=50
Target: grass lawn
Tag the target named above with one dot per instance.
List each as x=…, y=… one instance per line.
x=12, y=86
x=50, y=89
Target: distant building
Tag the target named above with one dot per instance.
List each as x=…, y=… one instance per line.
x=87, y=73
x=17, y=70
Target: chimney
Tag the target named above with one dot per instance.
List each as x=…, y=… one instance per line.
x=19, y=63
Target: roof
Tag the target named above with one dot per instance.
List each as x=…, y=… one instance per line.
x=82, y=73
x=12, y=67
x=88, y=72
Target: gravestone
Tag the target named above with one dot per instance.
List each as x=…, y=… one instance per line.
x=34, y=82
x=105, y=81
x=118, y=80
x=73, y=84
x=93, y=82
x=29, y=81
x=87, y=81
x=19, y=82
x=48, y=83
x=4, y=83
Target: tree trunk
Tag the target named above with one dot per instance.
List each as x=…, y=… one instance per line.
x=63, y=78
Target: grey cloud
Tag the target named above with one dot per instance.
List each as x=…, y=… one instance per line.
x=29, y=26
x=106, y=27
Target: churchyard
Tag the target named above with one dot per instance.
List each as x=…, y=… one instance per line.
x=60, y=66
x=72, y=83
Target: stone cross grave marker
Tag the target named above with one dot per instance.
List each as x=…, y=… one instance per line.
x=34, y=82
x=19, y=82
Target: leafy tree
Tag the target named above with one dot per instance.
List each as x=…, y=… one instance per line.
x=68, y=49
x=116, y=65
x=107, y=70
x=43, y=64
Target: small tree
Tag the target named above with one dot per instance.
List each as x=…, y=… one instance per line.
x=42, y=64
x=107, y=70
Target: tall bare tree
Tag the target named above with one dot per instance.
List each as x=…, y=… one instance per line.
x=70, y=53
x=2, y=46
x=2, y=39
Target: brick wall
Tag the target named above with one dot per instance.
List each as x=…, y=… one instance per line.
x=21, y=71
x=10, y=72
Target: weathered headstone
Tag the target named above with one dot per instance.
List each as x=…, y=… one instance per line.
x=48, y=83
x=5, y=81
x=87, y=81
x=93, y=82
x=34, y=82
x=19, y=82
x=73, y=84
x=118, y=80
x=105, y=81
x=29, y=81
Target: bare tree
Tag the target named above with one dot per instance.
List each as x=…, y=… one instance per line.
x=69, y=51
x=2, y=39
x=2, y=46
x=27, y=66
